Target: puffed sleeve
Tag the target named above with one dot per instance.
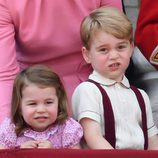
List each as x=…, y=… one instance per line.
x=7, y=134
x=72, y=133
x=8, y=63
x=146, y=35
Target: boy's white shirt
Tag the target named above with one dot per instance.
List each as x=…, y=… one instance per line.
x=87, y=102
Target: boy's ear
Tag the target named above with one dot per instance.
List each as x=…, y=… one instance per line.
x=85, y=54
x=132, y=48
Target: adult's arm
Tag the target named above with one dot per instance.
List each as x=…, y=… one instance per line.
x=146, y=35
x=8, y=63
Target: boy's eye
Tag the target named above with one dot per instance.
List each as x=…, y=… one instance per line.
x=103, y=50
x=122, y=46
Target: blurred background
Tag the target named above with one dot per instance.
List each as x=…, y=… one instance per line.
x=132, y=10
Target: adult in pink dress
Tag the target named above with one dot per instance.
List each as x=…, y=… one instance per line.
x=44, y=32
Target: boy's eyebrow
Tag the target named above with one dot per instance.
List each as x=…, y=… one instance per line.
x=121, y=42
x=124, y=41
x=103, y=45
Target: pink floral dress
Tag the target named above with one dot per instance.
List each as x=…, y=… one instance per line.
x=62, y=136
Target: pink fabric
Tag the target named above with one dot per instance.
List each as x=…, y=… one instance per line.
x=46, y=32
x=62, y=136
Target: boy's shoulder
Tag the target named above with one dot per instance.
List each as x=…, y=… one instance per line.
x=86, y=85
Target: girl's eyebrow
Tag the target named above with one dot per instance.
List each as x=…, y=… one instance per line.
x=30, y=101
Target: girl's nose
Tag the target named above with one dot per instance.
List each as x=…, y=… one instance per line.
x=41, y=108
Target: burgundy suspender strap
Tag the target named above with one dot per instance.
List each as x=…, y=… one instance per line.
x=108, y=116
x=143, y=112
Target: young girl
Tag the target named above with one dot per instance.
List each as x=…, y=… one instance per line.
x=39, y=117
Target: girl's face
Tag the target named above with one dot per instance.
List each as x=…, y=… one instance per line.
x=109, y=55
x=39, y=106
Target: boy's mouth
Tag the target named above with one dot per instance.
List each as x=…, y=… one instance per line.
x=114, y=66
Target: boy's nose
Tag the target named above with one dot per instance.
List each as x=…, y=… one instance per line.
x=113, y=54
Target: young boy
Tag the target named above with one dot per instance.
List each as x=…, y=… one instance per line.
x=112, y=114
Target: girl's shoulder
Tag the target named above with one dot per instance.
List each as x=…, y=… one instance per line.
x=6, y=124
x=7, y=133
x=73, y=127
x=72, y=133
x=70, y=122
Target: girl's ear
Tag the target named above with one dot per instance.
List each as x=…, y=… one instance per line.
x=86, y=55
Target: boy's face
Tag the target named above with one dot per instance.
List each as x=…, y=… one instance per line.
x=109, y=55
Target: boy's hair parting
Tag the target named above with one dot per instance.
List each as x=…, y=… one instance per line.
x=43, y=77
x=107, y=19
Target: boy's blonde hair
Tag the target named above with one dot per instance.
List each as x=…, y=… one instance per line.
x=107, y=19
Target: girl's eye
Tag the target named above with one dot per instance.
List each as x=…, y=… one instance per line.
x=50, y=102
x=31, y=104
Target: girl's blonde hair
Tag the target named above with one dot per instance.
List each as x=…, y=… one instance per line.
x=44, y=77
x=107, y=19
